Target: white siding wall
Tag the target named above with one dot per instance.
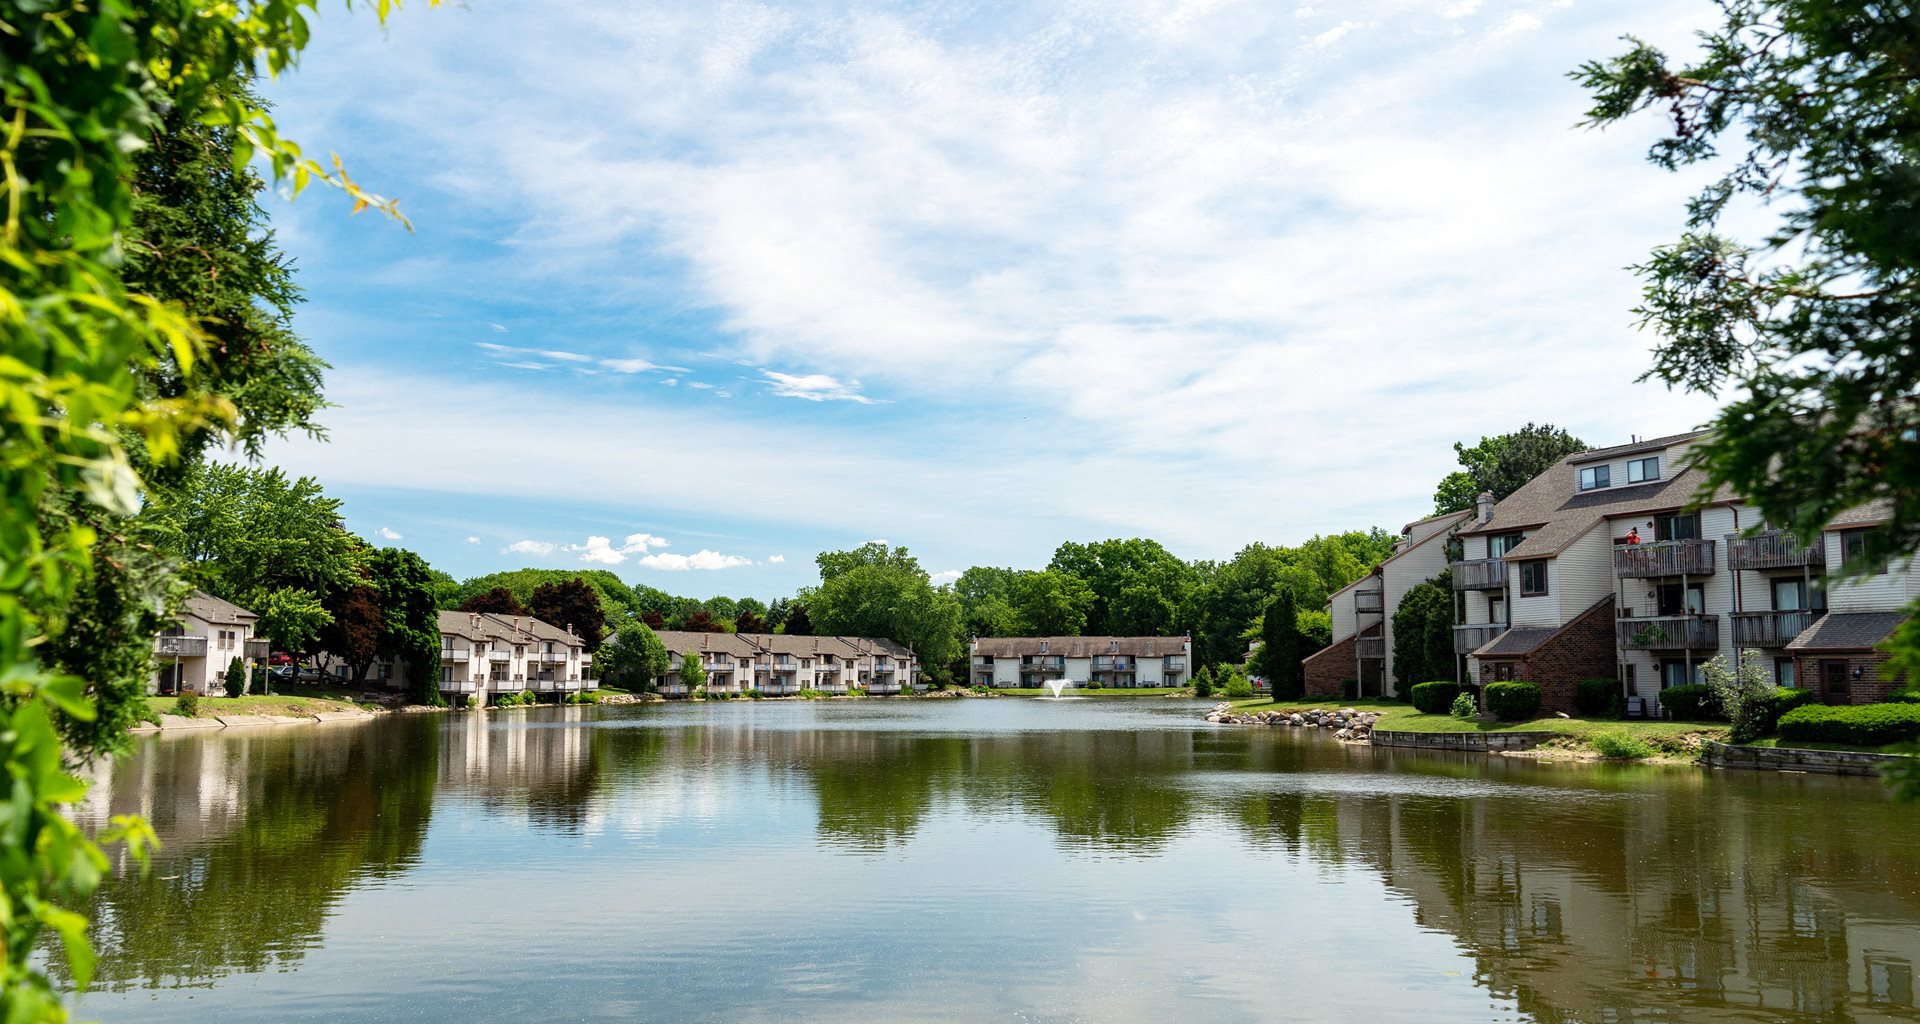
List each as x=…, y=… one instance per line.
x=1584, y=573
x=1344, y=618
x=1416, y=564
x=1881, y=592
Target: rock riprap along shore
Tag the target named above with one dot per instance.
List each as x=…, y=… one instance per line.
x=1348, y=723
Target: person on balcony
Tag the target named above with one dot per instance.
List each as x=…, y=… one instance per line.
x=1633, y=535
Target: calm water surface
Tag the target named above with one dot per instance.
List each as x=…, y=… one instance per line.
x=1004, y=860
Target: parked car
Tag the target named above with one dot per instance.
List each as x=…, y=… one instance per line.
x=281, y=674
x=311, y=674
x=280, y=658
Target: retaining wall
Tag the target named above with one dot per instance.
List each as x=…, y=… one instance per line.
x=1790, y=759
x=1481, y=741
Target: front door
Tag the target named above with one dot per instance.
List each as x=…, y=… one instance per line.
x=1673, y=599
x=1835, y=687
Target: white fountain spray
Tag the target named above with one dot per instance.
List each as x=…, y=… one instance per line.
x=1058, y=686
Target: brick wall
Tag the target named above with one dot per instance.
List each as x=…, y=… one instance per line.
x=1327, y=668
x=1582, y=649
x=1870, y=688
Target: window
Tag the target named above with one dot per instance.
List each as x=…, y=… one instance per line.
x=1853, y=549
x=1685, y=527
x=1533, y=578
x=1783, y=672
x=1496, y=610
x=1678, y=673
x=1502, y=543
x=1593, y=478
x=1639, y=471
x=1672, y=599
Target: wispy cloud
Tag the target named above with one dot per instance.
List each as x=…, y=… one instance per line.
x=473, y=540
x=776, y=559
x=511, y=356
x=603, y=551
x=388, y=533
x=528, y=547
x=815, y=387
x=702, y=559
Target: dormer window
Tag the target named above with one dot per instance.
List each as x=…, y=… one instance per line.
x=1641, y=471
x=1593, y=478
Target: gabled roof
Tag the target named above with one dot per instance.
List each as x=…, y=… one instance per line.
x=1847, y=631
x=1516, y=641
x=678, y=643
x=513, y=629
x=537, y=628
x=1556, y=513
x=1873, y=513
x=865, y=647
x=208, y=608
x=1080, y=646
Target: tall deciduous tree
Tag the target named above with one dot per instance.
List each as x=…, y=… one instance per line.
x=356, y=629
x=799, y=623
x=1503, y=464
x=573, y=605
x=498, y=601
x=693, y=675
x=748, y=622
x=1138, y=586
x=702, y=621
x=878, y=591
x=633, y=657
x=410, y=629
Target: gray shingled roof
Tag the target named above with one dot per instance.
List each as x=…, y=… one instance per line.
x=678, y=643
x=1516, y=641
x=203, y=605
x=1847, y=631
x=1873, y=513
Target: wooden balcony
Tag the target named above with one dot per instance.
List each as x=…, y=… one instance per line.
x=259, y=650
x=1480, y=574
x=1369, y=602
x=1669, y=632
x=1471, y=637
x=180, y=646
x=1774, y=549
x=1663, y=558
x=1769, y=629
x=1372, y=647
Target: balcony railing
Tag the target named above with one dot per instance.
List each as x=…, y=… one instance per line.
x=459, y=654
x=1480, y=574
x=1113, y=664
x=831, y=669
x=550, y=657
x=1471, y=637
x=1663, y=558
x=1372, y=647
x=1366, y=602
x=1669, y=632
x=1174, y=664
x=180, y=646
x=1774, y=549
x=499, y=655
x=1769, y=629
x=883, y=668
x=259, y=650
x=1043, y=666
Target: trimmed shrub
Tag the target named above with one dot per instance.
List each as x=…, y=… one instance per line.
x=236, y=678
x=1904, y=697
x=1691, y=703
x=1779, y=702
x=1203, y=682
x=1237, y=687
x=1434, y=698
x=754, y=694
x=1621, y=746
x=1861, y=725
x=1599, y=698
x=1464, y=706
x=1513, y=702
x=187, y=705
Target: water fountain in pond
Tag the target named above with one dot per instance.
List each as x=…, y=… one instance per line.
x=1059, y=688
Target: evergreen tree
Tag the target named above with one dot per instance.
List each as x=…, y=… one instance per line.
x=1282, y=648
x=236, y=677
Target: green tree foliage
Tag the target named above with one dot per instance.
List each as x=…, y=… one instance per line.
x=1231, y=595
x=701, y=621
x=879, y=591
x=272, y=545
x=798, y=623
x=1316, y=629
x=1138, y=586
x=692, y=674
x=1203, y=682
x=1015, y=602
x=777, y=613
x=498, y=601
x=1281, y=649
x=1423, y=635
x=633, y=657
x=618, y=602
x=236, y=678
x=748, y=622
x=410, y=621
x=86, y=87
x=355, y=628
x=1502, y=464
x=572, y=605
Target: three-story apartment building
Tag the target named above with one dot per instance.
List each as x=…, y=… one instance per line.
x=483, y=653
x=1122, y=662
x=195, y=653
x=778, y=665
x=1362, y=612
x=1614, y=564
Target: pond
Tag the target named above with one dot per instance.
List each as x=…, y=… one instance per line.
x=980, y=860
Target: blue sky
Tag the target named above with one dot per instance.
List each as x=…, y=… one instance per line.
x=698, y=290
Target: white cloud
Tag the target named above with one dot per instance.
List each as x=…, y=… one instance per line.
x=528, y=547
x=1461, y=9
x=776, y=559
x=1335, y=34
x=702, y=559
x=602, y=550
x=702, y=385
x=943, y=578
x=582, y=362
x=815, y=387
x=388, y=533
x=1521, y=22
x=473, y=540
x=497, y=328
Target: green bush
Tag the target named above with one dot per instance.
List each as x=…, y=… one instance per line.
x=1598, y=698
x=187, y=705
x=1779, y=702
x=1691, y=703
x=1861, y=725
x=1203, y=682
x=1513, y=702
x=1238, y=687
x=236, y=678
x=584, y=697
x=857, y=691
x=1093, y=684
x=754, y=694
x=1621, y=745
x=1434, y=698
x=1904, y=697
x=1464, y=707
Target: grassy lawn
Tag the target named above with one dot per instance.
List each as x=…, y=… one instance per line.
x=1081, y=691
x=305, y=701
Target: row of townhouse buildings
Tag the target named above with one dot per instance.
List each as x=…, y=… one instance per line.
x=778, y=665
x=1609, y=565
x=1122, y=662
